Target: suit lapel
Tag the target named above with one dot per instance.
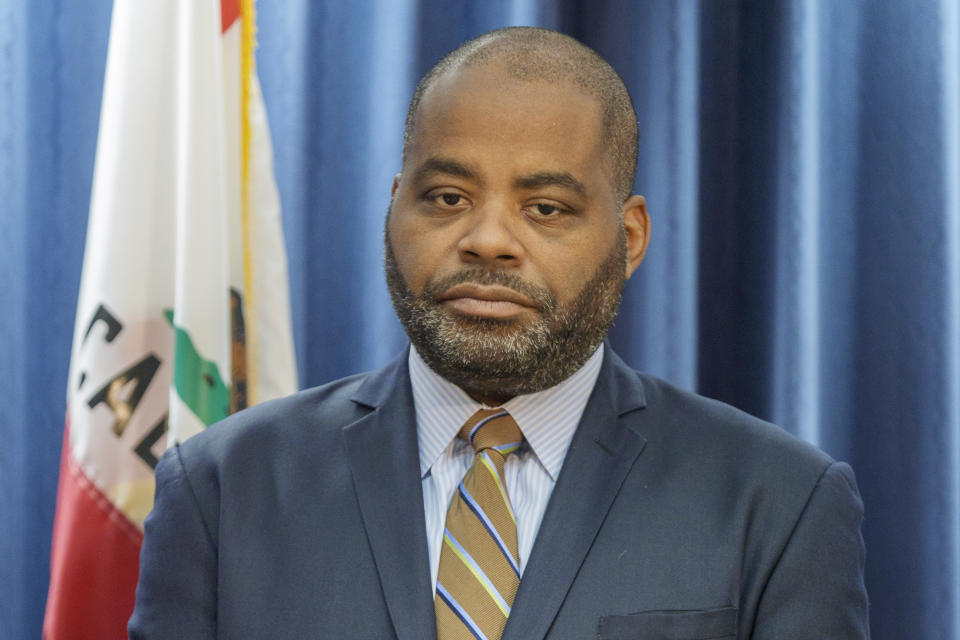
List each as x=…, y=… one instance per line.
x=384, y=459
x=601, y=454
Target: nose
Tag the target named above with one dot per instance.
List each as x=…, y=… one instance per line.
x=490, y=239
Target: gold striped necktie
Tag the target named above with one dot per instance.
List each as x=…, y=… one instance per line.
x=479, y=562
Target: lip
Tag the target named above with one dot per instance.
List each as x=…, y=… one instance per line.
x=488, y=301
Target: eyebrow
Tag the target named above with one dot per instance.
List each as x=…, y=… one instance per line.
x=551, y=179
x=447, y=166
x=444, y=166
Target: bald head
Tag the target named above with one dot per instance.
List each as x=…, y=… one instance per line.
x=530, y=54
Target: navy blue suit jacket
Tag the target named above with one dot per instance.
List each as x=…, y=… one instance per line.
x=673, y=517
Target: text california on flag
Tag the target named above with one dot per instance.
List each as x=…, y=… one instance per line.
x=183, y=312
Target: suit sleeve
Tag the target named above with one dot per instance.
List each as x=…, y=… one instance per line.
x=816, y=589
x=176, y=592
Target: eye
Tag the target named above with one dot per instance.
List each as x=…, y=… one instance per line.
x=547, y=209
x=445, y=200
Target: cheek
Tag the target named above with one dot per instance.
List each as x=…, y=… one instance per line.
x=403, y=233
x=413, y=253
x=570, y=268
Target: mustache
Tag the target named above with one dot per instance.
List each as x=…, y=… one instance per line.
x=542, y=298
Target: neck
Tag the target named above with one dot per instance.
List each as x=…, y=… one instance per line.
x=489, y=399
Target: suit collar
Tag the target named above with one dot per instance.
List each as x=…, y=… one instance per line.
x=379, y=385
x=382, y=452
x=621, y=383
x=603, y=451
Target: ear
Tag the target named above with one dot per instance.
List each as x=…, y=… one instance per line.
x=396, y=183
x=636, y=221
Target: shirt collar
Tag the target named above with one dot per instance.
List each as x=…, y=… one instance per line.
x=547, y=418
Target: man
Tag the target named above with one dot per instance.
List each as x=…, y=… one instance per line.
x=581, y=500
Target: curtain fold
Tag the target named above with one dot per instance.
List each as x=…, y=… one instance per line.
x=801, y=162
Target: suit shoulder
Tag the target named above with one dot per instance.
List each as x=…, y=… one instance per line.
x=318, y=412
x=722, y=432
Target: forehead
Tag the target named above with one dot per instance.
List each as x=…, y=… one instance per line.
x=484, y=110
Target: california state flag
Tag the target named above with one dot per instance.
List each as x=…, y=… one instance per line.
x=183, y=314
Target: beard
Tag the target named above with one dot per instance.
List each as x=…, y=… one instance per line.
x=495, y=359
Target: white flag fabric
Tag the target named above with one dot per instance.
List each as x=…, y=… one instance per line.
x=183, y=313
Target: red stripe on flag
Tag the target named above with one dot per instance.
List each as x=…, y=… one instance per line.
x=94, y=561
x=229, y=12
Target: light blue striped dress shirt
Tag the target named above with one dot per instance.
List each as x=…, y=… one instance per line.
x=547, y=419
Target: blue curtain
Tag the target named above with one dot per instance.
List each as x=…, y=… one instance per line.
x=801, y=160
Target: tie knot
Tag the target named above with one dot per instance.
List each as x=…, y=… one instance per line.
x=492, y=429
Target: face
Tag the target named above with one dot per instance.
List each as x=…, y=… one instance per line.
x=506, y=249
